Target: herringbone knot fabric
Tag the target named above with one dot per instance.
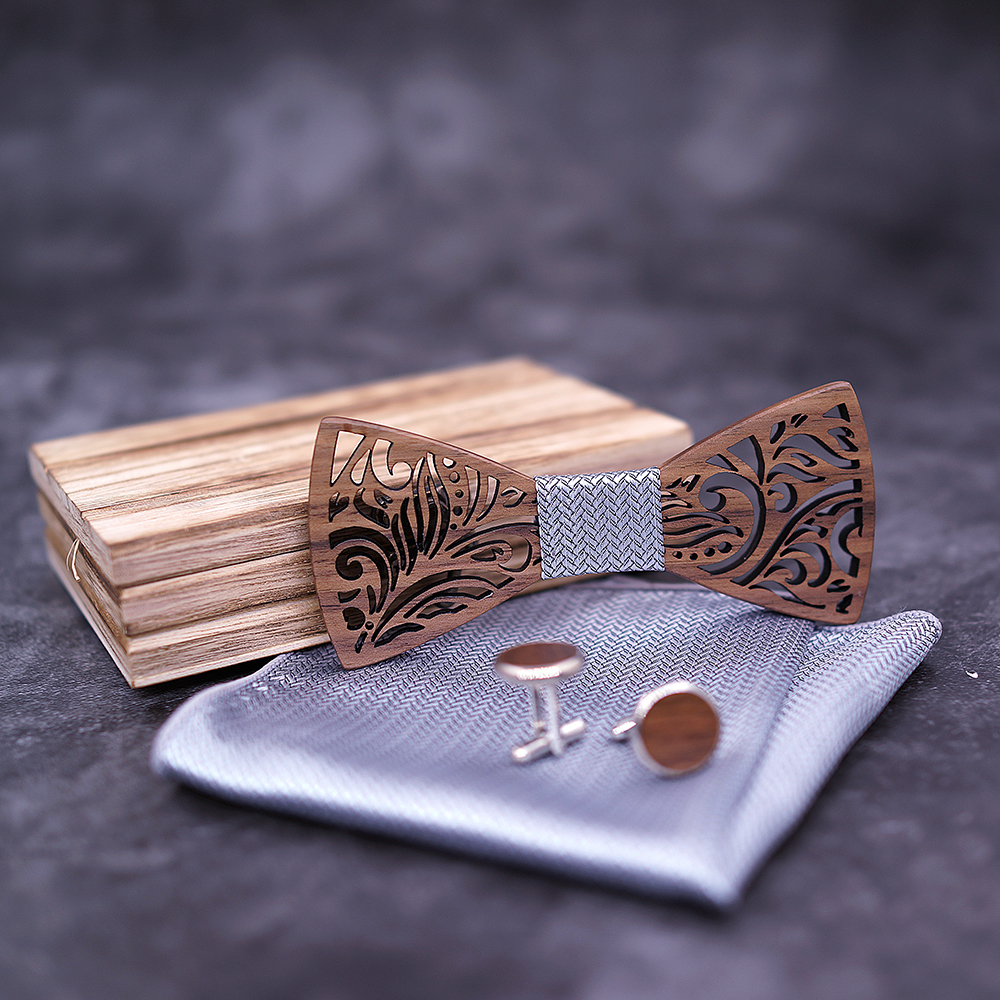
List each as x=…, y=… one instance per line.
x=600, y=522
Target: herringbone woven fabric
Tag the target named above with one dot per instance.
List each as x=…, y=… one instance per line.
x=419, y=746
x=605, y=522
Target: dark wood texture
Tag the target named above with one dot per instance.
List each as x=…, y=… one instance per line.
x=680, y=731
x=778, y=509
x=411, y=537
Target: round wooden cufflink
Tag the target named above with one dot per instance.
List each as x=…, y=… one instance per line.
x=674, y=729
x=540, y=666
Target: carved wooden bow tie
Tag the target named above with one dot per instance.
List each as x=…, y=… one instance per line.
x=412, y=537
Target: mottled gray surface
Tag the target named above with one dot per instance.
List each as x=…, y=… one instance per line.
x=706, y=206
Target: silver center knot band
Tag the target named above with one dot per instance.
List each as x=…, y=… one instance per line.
x=601, y=522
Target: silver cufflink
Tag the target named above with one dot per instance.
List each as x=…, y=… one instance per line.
x=673, y=730
x=540, y=666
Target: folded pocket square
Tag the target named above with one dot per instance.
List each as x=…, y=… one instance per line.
x=418, y=746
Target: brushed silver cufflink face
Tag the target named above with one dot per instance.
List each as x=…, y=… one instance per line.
x=539, y=667
x=674, y=729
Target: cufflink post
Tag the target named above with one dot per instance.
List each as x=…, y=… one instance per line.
x=540, y=666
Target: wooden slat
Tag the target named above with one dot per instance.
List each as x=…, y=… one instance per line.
x=169, y=470
x=512, y=371
x=159, y=604
x=200, y=646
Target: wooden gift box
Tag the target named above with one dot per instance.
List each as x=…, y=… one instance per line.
x=184, y=541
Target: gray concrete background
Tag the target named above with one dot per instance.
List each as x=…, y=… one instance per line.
x=707, y=207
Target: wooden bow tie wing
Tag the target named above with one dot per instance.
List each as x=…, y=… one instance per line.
x=778, y=509
x=411, y=537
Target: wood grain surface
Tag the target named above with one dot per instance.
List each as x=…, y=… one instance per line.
x=412, y=537
x=680, y=731
x=779, y=508
x=193, y=532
